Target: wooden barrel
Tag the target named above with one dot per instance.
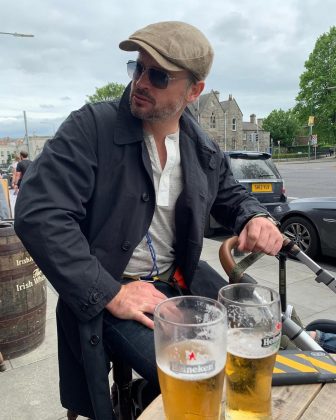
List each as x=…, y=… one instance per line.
x=23, y=296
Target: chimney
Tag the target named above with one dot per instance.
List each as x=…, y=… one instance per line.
x=253, y=118
x=230, y=97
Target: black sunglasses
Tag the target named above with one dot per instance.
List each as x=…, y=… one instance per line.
x=158, y=78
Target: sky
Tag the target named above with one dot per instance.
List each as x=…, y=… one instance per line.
x=260, y=50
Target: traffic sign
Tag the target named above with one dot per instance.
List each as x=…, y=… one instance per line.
x=311, y=120
x=314, y=139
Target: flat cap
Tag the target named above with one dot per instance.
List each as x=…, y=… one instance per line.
x=174, y=46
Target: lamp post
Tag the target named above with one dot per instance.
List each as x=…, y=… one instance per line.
x=26, y=133
x=333, y=88
x=225, y=141
x=17, y=34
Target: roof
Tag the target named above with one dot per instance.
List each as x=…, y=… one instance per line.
x=250, y=126
x=198, y=106
x=225, y=105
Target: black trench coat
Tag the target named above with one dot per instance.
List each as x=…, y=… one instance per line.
x=84, y=205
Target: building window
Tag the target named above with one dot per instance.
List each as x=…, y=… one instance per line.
x=234, y=143
x=213, y=120
x=234, y=124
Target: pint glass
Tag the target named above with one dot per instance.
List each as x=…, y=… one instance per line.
x=254, y=332
x=190, y=347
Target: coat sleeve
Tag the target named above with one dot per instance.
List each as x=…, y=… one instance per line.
x=234, y=205
x=50, y=216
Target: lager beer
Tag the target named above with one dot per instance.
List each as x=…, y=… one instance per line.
x=249, y=375
x=191, y=379
x=190, y=350
x=254, y=320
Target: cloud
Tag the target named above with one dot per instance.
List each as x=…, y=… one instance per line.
x=47, y=106
x=260, y=50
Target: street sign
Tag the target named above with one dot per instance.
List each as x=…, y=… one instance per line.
x=314, y=139
x=311, y=120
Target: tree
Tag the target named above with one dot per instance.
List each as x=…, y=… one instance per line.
x=107, y=93
x=282, y=125
x=316, y=96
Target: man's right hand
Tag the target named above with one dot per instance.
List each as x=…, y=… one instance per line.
x=134, y=300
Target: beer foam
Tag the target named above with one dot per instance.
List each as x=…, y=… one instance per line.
x=244, y=342
x=192, y=360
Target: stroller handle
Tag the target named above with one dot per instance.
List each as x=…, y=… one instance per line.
x=236, y=271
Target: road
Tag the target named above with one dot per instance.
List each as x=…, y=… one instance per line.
x=309, y=179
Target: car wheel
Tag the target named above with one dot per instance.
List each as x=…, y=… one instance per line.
x=303, y=234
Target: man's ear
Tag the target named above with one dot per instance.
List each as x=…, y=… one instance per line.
x=194, y=91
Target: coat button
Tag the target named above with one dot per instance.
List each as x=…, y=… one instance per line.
x=126, y=245
x=94, y=298
x=212, y=162
x=145, y=196
x=94, y=340
x=84, y=307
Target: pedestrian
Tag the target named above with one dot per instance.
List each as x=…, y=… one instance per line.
x=13, y=168
x=114, y=209
x=21, y=169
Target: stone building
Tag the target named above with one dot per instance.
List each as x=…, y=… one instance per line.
x=233, y=133
x=223, y=122
x=7, y=150
x=254, y=137
x=210, y=114
x=10, y=147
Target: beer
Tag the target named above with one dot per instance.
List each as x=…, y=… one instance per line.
x=191, y=377
x=249, y=371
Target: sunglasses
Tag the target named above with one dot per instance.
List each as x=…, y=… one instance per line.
x=158, y=78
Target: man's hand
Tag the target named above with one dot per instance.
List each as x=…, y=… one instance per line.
x=134, y=300
x=260, y=234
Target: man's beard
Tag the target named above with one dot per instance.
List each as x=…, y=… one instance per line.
x=156, y=114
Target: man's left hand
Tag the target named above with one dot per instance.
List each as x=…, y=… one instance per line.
x=260, y=234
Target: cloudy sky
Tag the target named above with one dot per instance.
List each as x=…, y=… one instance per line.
x=260, y=49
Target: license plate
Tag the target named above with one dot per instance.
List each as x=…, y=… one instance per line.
x=261, y=188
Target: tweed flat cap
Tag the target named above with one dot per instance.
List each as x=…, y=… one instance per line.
x=174, y=46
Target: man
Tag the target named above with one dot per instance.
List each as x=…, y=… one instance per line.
x=21, y=169
x=120, y=197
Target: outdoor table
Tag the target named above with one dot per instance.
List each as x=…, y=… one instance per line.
x=305, y=402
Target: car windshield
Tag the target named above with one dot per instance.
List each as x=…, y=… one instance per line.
x=247, y=168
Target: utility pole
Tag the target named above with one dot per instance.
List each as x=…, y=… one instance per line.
x=26, y=133
x=310, y=123
x=225, y=141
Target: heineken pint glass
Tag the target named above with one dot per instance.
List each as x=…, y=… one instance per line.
x=190, y=346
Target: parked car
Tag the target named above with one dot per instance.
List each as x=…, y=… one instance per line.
x=311, y=224
x=257, y=172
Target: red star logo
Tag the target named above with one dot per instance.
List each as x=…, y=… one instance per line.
x=192, y=356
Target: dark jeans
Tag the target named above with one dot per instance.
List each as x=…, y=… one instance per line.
x=134, y=343
x=327, y=341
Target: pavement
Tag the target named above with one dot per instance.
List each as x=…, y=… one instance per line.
x=29, y=385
